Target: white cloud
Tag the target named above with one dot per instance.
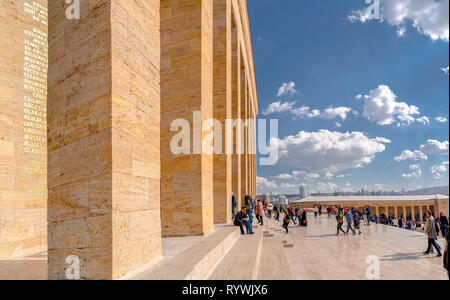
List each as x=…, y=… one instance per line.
x=337, y=125
x=445, y=70
x=314, y=113
x=381, y=106
x=424, y=120
x=407, y=155
x=265, y=184
x=439, y=169
x=312, y=176
x=433, y=147
x=287, y=88
x=333, y=113
x=302, y=111
x=279, y=107
x=441, y=119
x=326, y=151
x=383, y=140
x=429, y=17
x=325, y=187
x=284, y=176
x=417, y=172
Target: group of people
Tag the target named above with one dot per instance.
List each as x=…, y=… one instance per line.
x=261, y=209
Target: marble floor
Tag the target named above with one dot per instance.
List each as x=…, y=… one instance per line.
x=320, y=255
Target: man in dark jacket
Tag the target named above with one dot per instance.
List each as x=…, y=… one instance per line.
x=233, y=206
x=241, y=219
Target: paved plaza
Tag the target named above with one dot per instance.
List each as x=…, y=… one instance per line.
x=318, y=254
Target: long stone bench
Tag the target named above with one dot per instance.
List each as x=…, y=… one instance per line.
x=242, y=262
x=196, y=262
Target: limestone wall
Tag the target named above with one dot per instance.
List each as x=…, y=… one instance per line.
x=23, y=150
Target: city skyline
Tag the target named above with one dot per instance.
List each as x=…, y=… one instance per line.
x=373, y=113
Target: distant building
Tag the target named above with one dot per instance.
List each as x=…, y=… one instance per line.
x=303, y=192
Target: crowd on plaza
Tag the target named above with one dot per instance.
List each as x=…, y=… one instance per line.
x=351, y=216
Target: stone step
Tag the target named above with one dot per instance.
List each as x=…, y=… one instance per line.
x=274, y=264
x=196, y=262
x=242, y=262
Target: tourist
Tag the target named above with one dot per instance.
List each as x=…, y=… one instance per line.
x=241, y=219
x=250, y=214
x=400, y=222
x=340, y=222
x=304, y=222
x=367, y=214
x=260, y=212
x=349, y=218
x=277, y=212
x=328, y=211
x=233, y=205
x=446, y=260
x=375, y=218
x=296, y=215
x=357, y=220
x=269, y=210
x=286, y=221
x=316, y=211
x=443, y=221
x=432, y=234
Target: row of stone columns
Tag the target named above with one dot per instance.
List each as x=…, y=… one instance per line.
x=118, y=79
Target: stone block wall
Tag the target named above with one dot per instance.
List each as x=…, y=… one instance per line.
x=23, y=149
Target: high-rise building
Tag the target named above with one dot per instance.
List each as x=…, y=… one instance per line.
x=303, y=192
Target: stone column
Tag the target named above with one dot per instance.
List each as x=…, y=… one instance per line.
x=222, y=109
x=236, y=112
x=103, y=138
x=244, y=116
x=421, y=212
x=395, y=212
x=404, y=213
x=377, y=210
x=413, y=213
x=186, y=104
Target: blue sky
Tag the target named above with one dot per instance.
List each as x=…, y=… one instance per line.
x=327, y=60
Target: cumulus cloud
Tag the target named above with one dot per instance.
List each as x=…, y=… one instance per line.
x=439, y=169
x=423, y=120
x=287, y=88
x=409, y=155
x=428, y=17
x=433, y=147
x=333, y=113
x=284, y=176
x=327, y=151
x=383, y=140
x=416, y=172
x=441, y=119
x=265, y=184
x=325, y=187
x=445, y=70
x=279, y=107
x=381, y=106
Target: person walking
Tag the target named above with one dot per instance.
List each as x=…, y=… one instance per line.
x=286, y=221
x=316, y=211
x=357, y=220
x=446, y=260
x=443, y=220
x=260, y=212
x=269, y=210
x=304, y=222
x=340, y=222
x=432, y=234
x=349, y=218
